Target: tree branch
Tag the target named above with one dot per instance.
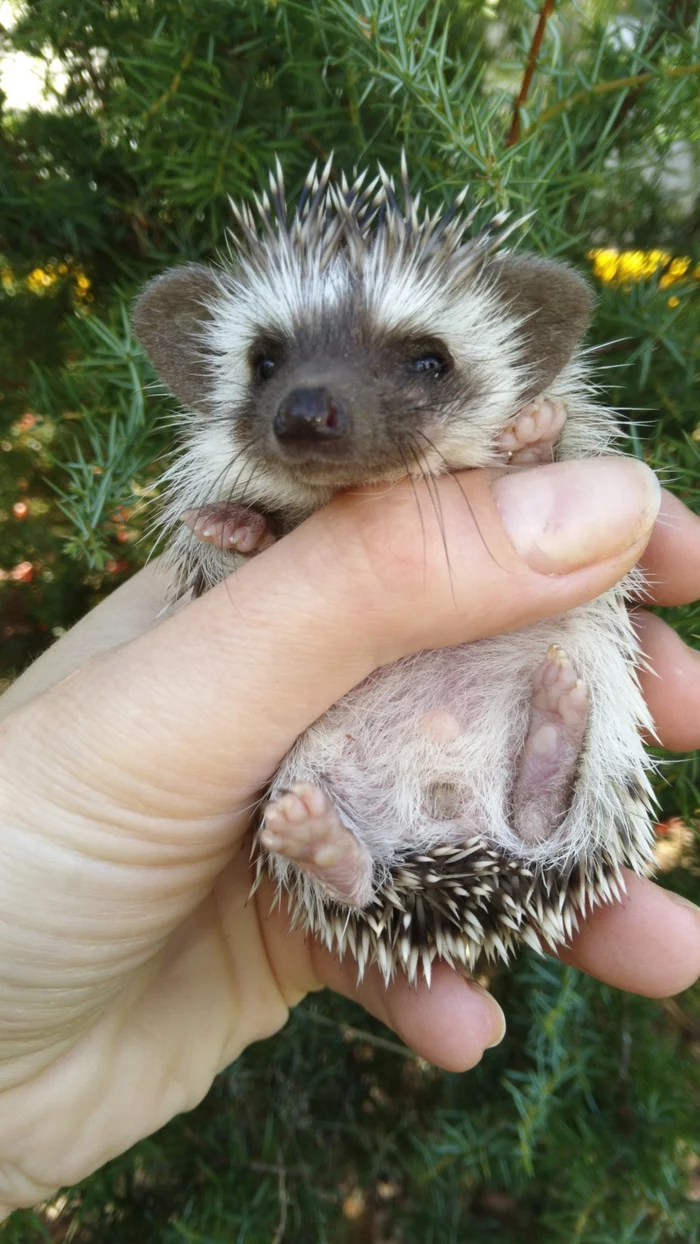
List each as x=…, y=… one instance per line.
x=545, y=13
x=615, y=84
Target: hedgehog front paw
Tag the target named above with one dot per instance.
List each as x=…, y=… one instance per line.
x=558, y=716
x=304, y=827
x=231, y=527
x=531, y=436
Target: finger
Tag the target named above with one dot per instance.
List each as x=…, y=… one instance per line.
x=671, y=683
x=648, y=944
x=449, y=1023
x=672, y=556
x=261, y=656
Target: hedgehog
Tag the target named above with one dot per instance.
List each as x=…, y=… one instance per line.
x=459, y=802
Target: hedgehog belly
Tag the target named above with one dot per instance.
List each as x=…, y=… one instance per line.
x=420, y=762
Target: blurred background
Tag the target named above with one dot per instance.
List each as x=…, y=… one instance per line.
x=124, y=127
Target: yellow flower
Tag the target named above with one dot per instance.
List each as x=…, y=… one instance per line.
x=615, y=267
x=82, y=284
x=675, y=272
x=40, y=279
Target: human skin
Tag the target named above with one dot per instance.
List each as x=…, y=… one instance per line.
x=135, y=749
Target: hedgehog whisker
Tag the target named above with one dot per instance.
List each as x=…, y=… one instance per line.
x=450, y=471
x=436, y=502
x=412, y=486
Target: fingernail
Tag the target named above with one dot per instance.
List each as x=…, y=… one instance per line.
x=566, y=515
x=499, y=1019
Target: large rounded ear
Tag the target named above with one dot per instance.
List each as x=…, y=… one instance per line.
x=555, y=305
x=169, y=318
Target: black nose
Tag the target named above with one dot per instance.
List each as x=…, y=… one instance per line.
x=311, y=415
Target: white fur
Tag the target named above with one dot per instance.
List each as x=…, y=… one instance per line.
x=369, y=754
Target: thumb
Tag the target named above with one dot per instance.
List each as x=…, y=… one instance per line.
x=191, y=718
x=126, y=788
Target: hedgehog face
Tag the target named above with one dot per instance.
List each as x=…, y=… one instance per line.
x=345, y=400
x=352, y=343
x=365, y=368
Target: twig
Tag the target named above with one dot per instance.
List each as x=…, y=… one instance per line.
x=616, y=84
x=173, y=88
x=545, y=13
x=358, y=1034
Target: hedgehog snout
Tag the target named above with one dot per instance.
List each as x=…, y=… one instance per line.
x=311, y=416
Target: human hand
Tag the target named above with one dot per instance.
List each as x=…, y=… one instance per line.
x=134, y=969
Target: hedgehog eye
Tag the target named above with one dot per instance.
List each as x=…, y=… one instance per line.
x=265, y=367
x=432, y=363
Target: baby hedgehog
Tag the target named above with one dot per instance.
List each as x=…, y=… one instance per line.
x=460, y=801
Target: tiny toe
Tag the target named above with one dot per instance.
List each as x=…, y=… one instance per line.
x=526, y=430
x=242, y=538
x=275, y=819
x=269, y=839
x=573, y=705
x=283, y=839
x=553, y=416
x=314, y=799
x=206, y=523
x=553, y=678
x=292, y=808
x=507, y=440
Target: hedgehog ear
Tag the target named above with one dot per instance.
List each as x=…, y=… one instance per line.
x=555, y=304
x=168, y=319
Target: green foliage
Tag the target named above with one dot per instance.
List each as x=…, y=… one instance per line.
x=579, y=1128
x=582, y=1125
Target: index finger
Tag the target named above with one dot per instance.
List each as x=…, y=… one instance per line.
x=672, y=557
x=649, y=943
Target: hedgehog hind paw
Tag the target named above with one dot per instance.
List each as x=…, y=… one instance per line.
x=303, y=826
x=550, y=755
